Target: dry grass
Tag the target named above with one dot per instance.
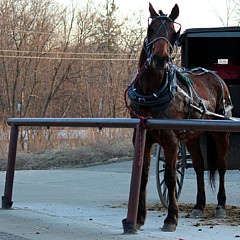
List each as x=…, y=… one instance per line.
x=58, y=148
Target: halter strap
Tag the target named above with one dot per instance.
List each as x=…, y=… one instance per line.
x=148, y=43
x=158, y=38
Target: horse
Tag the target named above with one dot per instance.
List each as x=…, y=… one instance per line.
x=161, y=90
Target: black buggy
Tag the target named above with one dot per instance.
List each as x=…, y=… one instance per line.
x=216, y=49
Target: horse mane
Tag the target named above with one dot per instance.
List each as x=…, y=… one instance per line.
x=143, y=56
x=161, y=13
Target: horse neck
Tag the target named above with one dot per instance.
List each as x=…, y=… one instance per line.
x=150, y=81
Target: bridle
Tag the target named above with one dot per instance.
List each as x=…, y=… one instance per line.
x=149, y=45
x=159, y=99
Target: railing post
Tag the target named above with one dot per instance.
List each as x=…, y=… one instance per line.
x=7, y=198
x=129, y=224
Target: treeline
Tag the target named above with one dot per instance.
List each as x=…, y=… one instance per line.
x=66, y=61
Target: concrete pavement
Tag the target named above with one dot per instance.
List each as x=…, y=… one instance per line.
x=90, y=203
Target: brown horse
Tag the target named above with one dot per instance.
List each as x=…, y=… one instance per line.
x=161, y=91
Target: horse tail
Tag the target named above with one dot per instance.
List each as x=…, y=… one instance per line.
x=211, y=158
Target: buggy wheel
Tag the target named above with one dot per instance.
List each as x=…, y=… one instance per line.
x=160, y=171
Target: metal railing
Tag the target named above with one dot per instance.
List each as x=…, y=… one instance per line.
x=129, y=224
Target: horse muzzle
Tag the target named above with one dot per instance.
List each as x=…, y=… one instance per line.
x=160, y=63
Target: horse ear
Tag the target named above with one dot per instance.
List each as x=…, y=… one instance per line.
x=152, y=11
x=174, y=13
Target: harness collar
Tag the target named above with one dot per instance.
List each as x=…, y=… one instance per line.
x=159, y=99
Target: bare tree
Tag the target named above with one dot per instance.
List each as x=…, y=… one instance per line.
x=237, y=11
x=229, y=15
x=27, y=30
x=61, y=62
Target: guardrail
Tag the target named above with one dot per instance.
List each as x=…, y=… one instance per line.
x=129, y=224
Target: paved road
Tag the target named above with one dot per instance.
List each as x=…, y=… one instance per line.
x=90, y=203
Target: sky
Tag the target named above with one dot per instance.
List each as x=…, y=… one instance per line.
x=193, y=13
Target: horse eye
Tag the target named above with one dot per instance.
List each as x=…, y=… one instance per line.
x=150, y=31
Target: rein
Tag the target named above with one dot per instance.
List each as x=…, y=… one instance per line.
x=142, y=124
x=135, y=80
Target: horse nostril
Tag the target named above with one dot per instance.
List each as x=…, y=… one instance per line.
x=159, y=61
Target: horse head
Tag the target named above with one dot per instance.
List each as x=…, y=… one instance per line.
x=161, y=37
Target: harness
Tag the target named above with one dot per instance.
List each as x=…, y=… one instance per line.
x=225, y=112
x=160, y=99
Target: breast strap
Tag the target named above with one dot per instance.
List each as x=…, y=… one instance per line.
x=158, y=100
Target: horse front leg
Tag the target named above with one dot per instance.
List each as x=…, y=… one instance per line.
x=142, y=209
x=171, y=154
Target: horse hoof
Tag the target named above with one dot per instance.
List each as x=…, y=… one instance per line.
x=220, y=212
x=169, y=227
x=138, y=226
x=196, y=213
x=128, y=228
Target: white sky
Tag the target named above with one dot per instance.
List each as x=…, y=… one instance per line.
x=193, y=13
